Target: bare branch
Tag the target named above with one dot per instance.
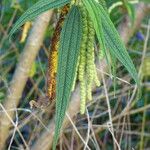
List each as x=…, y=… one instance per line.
x=22, y=71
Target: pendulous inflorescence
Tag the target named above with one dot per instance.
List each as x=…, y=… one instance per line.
x=86, y=72
x=86, y=69
x=53, y=55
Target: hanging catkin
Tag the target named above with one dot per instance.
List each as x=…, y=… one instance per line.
x=52, y=63
x=90, y=58
x=82, y=61
x=87, y=70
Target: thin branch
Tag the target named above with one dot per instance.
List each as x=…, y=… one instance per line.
x=20, y=77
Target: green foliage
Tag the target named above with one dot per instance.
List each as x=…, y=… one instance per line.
x=2, y=95
x=131, y=10
x=103, y=3
x=115, y=45
x=87, y=70
x=82, y=60
x=67, y=61
x=97, y=22
x=112, y=40
x=38, y=8
x=9, y=56
x=69, y=47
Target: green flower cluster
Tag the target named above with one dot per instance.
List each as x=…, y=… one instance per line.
x=86, y=69
x=146, y=66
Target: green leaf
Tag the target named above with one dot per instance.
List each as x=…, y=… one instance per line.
x=67, y=62
x=103, y=3
x=131, y=11
x=115, y=45
x=111, y=39
x=38, y=8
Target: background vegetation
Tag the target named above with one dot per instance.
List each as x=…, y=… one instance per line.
x=23, y=68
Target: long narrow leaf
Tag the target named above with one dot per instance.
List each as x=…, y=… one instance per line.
x=112, y=39
x=115, y=45
x=67, y=61
x=38, y=8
